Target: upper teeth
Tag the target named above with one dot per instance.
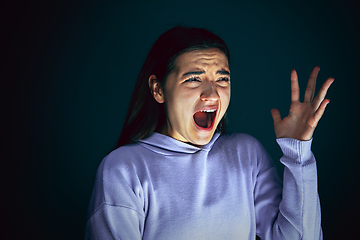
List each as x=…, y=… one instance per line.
x=212, y=110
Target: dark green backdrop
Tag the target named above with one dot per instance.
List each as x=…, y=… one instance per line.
x=68, y=70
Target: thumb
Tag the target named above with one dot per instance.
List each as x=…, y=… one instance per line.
x=276, y=116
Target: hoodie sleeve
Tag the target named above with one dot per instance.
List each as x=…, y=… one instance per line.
x=294, y=214
x=115, y=209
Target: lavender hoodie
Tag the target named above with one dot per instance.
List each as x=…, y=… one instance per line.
x=161, y=188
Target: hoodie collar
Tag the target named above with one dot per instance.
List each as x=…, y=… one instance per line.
x=166, y=145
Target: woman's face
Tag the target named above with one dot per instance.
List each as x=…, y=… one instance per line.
x=196, y=95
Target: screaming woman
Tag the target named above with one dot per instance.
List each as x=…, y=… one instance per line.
x=177, y=174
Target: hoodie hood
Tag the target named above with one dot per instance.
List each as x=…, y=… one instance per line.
x=166, y=145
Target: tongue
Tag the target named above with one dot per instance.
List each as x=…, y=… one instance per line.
x=203, y=119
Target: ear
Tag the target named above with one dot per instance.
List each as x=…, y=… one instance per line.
x=156, y=89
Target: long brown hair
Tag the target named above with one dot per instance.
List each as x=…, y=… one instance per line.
x=145, y=115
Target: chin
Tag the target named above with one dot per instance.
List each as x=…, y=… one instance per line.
x=202, y=138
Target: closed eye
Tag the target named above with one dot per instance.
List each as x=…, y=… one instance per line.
x=193, y=79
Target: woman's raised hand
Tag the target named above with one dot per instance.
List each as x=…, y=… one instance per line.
x=303, y=116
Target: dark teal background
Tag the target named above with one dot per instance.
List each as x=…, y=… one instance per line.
x=67, y=72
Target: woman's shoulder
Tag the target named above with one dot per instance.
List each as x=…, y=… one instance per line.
x=240, y=143
x=127, y=149
x=247, y=147
x=236, y=138
x=123, y=157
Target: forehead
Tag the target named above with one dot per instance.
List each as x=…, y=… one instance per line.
x=206, y=58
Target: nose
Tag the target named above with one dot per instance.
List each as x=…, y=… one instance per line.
x=209, y=92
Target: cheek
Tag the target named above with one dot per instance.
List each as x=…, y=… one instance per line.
x=185, y=100
x=178, y=106
x=225, y=99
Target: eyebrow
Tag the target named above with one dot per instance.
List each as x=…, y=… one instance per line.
x=222, y=72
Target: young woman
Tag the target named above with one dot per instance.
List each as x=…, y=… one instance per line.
x=178, y=175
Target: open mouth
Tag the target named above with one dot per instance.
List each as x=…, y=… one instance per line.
x=204, y=119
